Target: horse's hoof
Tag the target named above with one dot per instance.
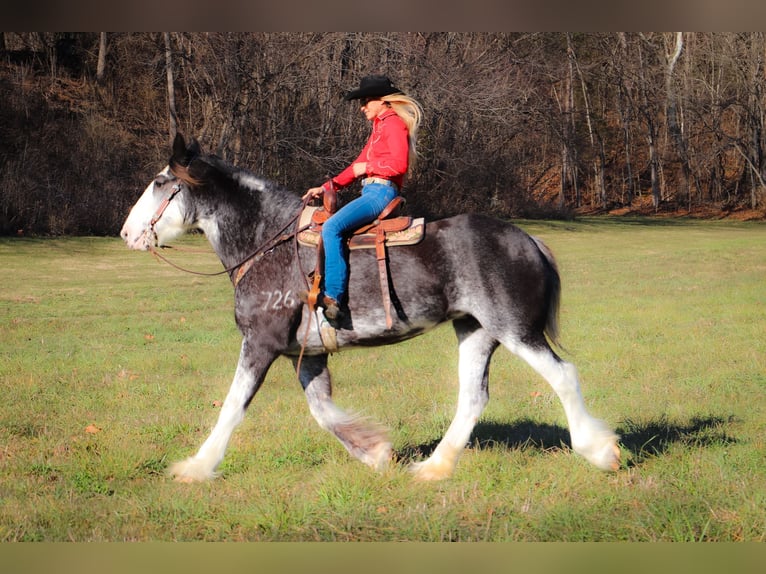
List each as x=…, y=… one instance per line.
x=189, y=471
x=184, y=479
x=380, y=456
x=431, y=470
x=608, y=459
x=615, y=466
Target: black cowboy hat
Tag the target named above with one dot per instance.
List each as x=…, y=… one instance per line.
x=373, y=87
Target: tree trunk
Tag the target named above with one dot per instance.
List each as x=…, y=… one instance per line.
x=173, y=116
x=671, y=113
x=597, y=145
x=101, y=66
x=757, y=113
x=623, y=109
x=600, y=167
x=568, y=178
x=651, y=135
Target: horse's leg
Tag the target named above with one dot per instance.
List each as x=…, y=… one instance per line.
x=591, y=437
x=364, y=440
x=251, y=370
x=475, y=351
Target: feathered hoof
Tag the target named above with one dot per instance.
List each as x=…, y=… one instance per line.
x=379, y=457
x=606, y=458
x=614, y=465
x=432, y=469
x=190, y=470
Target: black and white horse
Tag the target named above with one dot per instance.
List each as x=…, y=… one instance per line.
x=496, y=284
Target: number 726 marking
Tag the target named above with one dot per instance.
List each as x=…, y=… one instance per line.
x=276, y=300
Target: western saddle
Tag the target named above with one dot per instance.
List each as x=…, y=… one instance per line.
x=388, y=229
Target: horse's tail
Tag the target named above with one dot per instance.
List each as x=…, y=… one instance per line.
x=552, y=292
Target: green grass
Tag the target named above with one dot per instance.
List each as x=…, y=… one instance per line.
x=110, y=363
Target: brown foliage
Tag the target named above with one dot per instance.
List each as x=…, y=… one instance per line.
x=516, y=124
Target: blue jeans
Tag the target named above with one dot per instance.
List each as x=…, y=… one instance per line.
x=375, y=197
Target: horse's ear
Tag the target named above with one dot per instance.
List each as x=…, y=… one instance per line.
x=179, y=149
x=183, y=155
x=194, y=148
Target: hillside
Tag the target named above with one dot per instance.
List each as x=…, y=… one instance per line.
x=517, y=125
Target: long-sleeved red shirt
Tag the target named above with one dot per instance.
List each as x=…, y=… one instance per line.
x=386, y=152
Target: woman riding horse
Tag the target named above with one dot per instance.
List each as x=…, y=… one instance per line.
x=384, y=162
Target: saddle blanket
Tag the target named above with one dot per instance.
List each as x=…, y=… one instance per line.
x=410, y=232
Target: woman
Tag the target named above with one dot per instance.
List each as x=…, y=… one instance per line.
x=383, y=163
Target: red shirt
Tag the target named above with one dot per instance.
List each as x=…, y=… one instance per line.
x=386, y=152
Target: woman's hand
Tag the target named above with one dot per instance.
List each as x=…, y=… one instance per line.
x=313, y=192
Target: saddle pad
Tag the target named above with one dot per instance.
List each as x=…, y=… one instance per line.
x=408, y=236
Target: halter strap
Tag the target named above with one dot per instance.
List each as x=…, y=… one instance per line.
x=163, y=206
x=243, y=266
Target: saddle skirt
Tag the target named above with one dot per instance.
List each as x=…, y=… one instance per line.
x=402, y=230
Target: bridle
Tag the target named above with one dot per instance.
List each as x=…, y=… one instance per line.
x=246, y=264
x=162, y=207
x=243, y=266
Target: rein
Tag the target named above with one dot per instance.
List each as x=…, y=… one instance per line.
x=246, y=264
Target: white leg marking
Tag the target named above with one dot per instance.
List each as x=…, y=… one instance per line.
x=591, y=437
x=365, y=440
x=202, y=465
x=475, y=351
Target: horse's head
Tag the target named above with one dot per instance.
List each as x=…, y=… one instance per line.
x=158, y=215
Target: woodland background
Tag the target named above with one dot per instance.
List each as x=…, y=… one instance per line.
x=516, y=125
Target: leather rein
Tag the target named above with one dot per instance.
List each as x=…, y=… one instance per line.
x=246, y=264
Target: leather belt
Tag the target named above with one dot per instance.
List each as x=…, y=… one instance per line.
x=380, y=180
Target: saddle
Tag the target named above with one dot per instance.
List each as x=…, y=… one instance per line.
x=387, y=230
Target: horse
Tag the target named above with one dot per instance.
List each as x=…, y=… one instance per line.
x=494, y=282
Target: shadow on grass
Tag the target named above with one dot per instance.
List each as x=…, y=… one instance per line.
x=647, y=439
x=641, y=439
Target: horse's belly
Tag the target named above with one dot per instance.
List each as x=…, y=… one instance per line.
x=364, y=332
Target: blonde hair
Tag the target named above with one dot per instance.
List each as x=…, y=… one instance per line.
x=411, y=113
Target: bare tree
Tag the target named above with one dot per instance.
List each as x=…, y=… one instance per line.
x=529, y=124
x=756, y=108
x=675, y=128
x=172, y=114
x=647, y=110
x=101, y=66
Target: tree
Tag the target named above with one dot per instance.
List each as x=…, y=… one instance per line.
x=101, y=66
x=172, y=114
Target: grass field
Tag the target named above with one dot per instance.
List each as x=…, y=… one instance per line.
x=112, y=365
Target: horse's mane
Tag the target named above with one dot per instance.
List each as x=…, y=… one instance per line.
x=220, y=165
x=200, y=166
x=182, y=173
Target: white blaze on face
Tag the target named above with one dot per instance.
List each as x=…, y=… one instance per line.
x=136, y=230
